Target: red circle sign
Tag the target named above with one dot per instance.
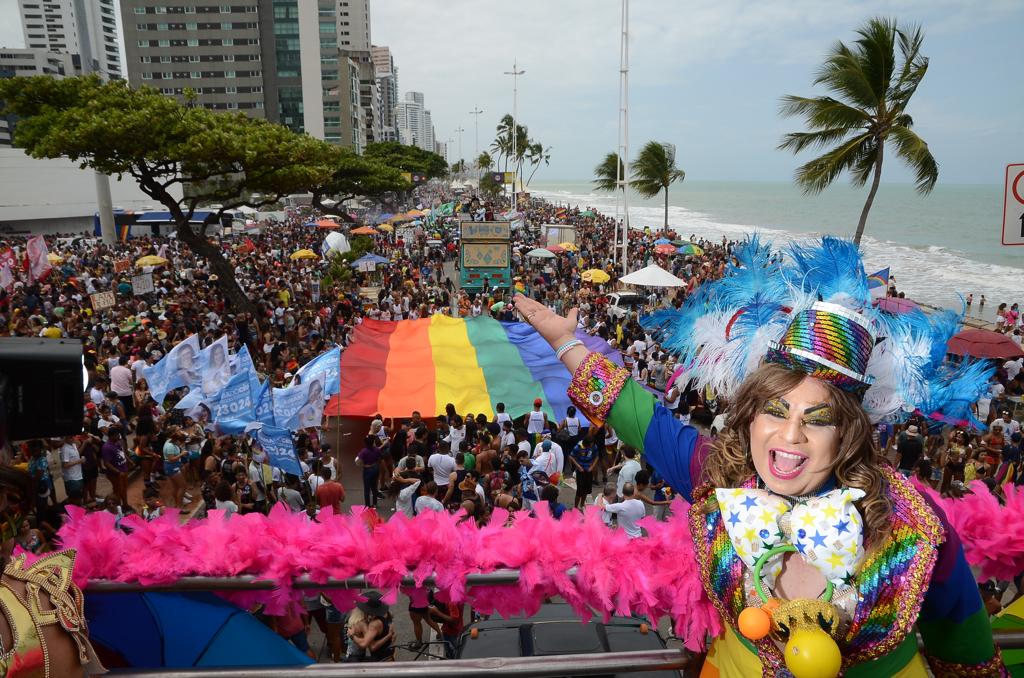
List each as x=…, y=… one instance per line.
x=1013, y=188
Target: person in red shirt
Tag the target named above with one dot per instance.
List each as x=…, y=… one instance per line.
x=331, y=492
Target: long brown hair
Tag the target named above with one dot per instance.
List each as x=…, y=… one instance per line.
x=856, y=465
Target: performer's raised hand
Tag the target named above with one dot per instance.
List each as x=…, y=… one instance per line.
x=557, y=330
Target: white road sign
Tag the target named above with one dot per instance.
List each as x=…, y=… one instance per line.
x=1013, y=205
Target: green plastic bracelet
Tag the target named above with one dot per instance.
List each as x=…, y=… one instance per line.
x=785, y=548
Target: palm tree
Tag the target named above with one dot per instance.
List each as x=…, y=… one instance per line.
x=606, y=174
x=655, y=170
x=536, y=154
x=484, y=161
x=872, y=91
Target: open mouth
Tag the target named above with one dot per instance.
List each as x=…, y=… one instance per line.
x=786, y=464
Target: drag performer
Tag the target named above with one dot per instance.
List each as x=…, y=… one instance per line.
x=819, y=557
x=42, y=627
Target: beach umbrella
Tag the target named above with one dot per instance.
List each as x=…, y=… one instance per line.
x=662, y=241
x=690, y=248
x=540, y=253
x=984, y=344
x=895, y=305
x=310, y=224
x=159, y=630
x=667, y=249
x=369, y=259
x=364, y=230
x=680, y=243
x=556, y=249
x=569, y=247
x=303, y=254
x=151, y=260
x=387, y=228
x=327, y=223
x=54, y=258
x=652, y=276
x=587, y=213
x=595, y=275
x=498, y=306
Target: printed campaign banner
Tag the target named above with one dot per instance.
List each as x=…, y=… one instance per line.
x=265, y=405
x=38, y=263
x=180, y=367
x=300, y=406
x=142, y=284
x=277, y=443
x=326, y=367
x=215, y=366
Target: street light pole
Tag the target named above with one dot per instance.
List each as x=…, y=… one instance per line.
x=622, y=169
x=476, y=132
x=461, y=159
x=515, y=73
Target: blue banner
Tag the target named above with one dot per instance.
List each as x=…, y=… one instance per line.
x=180, y=367
x=299, y=406
x=234, y=402
x=265, y=405
x=215, y=366
x=326, y=367
x=277, y=443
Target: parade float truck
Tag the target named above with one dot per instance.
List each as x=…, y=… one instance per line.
x=485, y=255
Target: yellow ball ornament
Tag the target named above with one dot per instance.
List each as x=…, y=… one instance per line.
x=813, y=654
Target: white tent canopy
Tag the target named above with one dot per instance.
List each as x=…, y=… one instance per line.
x=652, y=276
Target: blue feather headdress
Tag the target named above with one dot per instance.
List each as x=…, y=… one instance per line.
x=725, y=330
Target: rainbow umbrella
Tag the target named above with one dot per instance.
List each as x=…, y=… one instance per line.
x=690, y=248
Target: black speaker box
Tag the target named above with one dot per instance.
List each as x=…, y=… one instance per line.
x=41, y=386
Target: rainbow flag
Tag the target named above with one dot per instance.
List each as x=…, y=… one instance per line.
x=393, y=368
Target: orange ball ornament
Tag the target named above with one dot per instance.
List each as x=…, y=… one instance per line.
x=771, y=605
x=754, y=623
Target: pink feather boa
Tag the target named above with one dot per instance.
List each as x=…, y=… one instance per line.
x=654, y=576
x=992, y=533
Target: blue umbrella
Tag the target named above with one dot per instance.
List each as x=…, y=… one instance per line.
x=311, y=224
x=369, y=259
x=662, y=241
x=153, y=630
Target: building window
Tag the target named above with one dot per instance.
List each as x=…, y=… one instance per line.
x=193, y=43
x=190, y=9
x=231, y=90
x=163, y=43
x=140, y=10
x=232, y=105
x=191, y=26
x=229, y=74
x=165, y=59
x=193, y=58
x=146, y=75
x=160, y=9
x=327, y=27
x=229, y=57
x=162, y=27
x=228, y=42
x=195, y=75
x=143, y=43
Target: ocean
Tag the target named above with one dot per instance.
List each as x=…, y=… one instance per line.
x=938, y=247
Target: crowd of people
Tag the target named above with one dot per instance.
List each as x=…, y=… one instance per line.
x=154, y=455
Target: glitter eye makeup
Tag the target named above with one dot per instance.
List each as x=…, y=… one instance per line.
x=819, y=415
x=776, y=407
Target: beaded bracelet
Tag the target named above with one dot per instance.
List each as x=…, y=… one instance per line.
x=566, y=347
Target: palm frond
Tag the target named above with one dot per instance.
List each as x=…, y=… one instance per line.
x=876, y=54
x=844, y=75
x=798, y=141
x=815, y=176
x=607, y=173
x=915, y=152
x=824, y=112
x=654, y=170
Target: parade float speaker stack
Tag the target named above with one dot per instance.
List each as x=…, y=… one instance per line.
x=41, y=386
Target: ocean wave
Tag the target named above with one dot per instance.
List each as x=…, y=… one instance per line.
x=933, y=274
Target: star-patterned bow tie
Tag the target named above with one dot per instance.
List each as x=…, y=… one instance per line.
x=826, y=530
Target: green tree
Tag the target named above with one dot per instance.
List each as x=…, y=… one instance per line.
x=484, y=161
x=407, y=158
x=356, y=175
x=607, y=173
x=654, y=170
x=458, y=167
x=339, y=266
x=489, y=187
x=537, y=153
x=872, y=89
x=165, y=146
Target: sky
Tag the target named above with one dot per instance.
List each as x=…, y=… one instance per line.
x=705, y=75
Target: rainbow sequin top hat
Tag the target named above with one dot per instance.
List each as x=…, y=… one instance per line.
x=808, y=307
x=830, y=342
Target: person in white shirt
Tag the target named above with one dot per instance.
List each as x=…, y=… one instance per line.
x=627, y=470
x=501, y=416
x=71, y=468
x=442, y=464
x=408, y=493
x=536, y=420
x=544, y=458
x=508, y=437
x=1008, y=424
x=628, y=512
x=1013, y=367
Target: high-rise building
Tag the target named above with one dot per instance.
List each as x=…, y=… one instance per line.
x=354, y=25
x=414, y=124
x=86, y=29
x=387, y=83
x=213, y=50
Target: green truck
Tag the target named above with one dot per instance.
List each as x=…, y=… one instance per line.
x=485, y=255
